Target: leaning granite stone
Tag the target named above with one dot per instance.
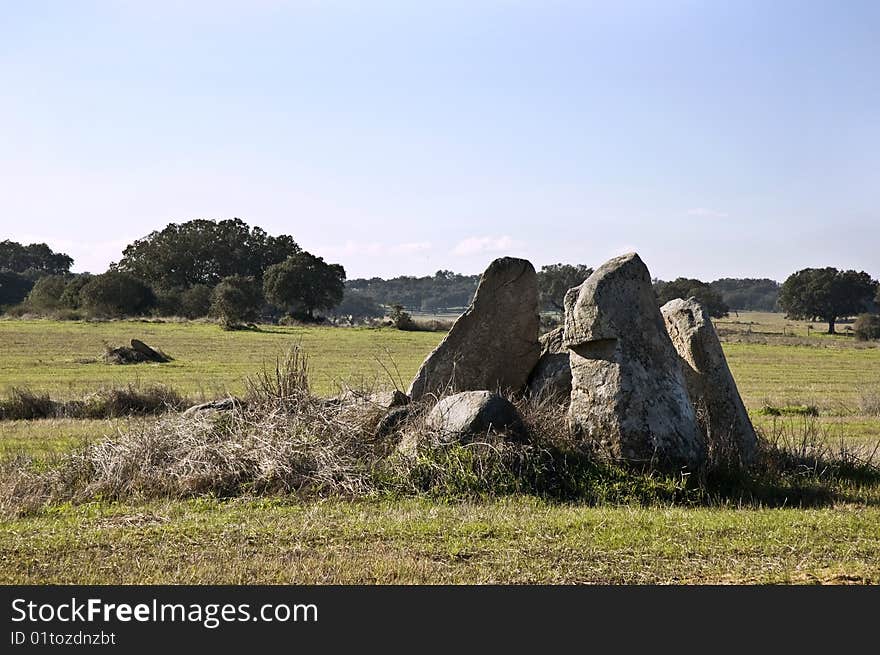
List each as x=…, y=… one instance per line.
x=494, y=344
x=629, y=395
x=712, y=389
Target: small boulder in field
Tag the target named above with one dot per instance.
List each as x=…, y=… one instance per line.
x=137, y=353
x=551, y=377
x=494, y=344
x=711, y=386
x=466, y=416
x=222, y=405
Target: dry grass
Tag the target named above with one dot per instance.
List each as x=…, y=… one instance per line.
x=285, y=441
x=115, y=402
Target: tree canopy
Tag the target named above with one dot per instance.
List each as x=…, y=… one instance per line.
x=687, y=288
x=826, y=294
x=14, y=287
x=204, y=252
x=555, y=279
x=431, y=293
x=115, y=293
x=748, y=294
x=304, y=282
x=36, y=259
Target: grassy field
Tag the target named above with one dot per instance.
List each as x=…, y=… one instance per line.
x=62, y=357
x=420, y=540
x=512, y=540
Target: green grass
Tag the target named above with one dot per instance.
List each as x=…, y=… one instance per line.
x=514, y=540
x=47, y=437
x=831, y=379
x=46, y=355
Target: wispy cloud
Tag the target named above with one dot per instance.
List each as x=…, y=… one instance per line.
x=703, y=212
x=485, y=244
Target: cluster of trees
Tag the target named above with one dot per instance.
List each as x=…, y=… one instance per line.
x=748, y=294
x=684, y=287
x=22, y=266
x=432, y=293
x=192, y=269
x=446, y=290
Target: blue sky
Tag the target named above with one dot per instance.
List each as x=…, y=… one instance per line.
x=716, y=139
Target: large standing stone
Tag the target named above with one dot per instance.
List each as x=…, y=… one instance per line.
x=551, y=377
x=494, y=344
x=628, y=390
x=711, y=386
x=472, y=414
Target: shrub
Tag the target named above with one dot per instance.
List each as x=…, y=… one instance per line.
x=195, y=302
x=116, y=294
x=401, y=319
x=167, y=302
x=71, y=297
x=47, y=292
x=236, y=299
x=867, y=327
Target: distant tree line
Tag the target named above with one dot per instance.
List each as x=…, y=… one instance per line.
x=193, y=269
x=239, y=273
x=432, y=293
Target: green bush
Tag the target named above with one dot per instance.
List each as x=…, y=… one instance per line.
x=117, y=294
x=47, y=292
x=867, y=327
x=195, y=302
x=235, y=300
x=71, y=298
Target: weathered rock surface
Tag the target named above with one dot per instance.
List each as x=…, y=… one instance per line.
x=222, y=405
x=465, y=416
x=628, y=390
x=379, y=399
x=551, y=377
x=137, y=353
x=712, y=389
x=494, y=344
x=392, y=420
x=147, y=353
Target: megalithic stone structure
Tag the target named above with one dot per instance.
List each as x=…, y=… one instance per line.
x=712, y=389
x=494, y=344
x=628, y=393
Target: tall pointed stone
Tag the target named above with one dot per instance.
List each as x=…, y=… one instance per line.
x=494, y=344
x=712, y=389
x=628, y=390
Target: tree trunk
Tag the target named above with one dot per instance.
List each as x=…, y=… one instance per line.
x=831, y=325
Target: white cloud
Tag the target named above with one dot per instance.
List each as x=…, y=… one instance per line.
x=487, y=244
x=703, y=212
